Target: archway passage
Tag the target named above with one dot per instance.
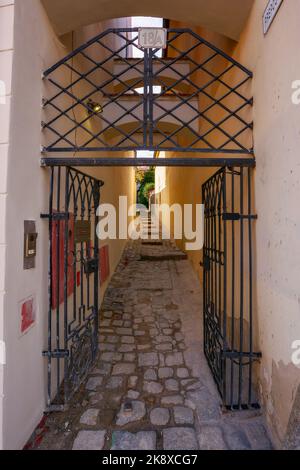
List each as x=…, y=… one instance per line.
x=194, y=99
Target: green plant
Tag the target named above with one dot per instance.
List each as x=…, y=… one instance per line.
x=144, y=176
x=147, y=184
x=147, y=188
x=149, y=176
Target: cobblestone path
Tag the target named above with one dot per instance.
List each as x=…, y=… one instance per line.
x=151, y=387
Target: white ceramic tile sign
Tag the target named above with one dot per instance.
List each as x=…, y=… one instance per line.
x=270, y=13
x=2, y=92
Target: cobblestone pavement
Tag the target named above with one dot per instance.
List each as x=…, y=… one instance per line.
x=151, y=387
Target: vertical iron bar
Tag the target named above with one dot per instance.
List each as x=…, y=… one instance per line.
x=241, y=286
x=84, y=278
x=96, y=189
x=219, y=274
x=145, y=124
x=208, y=254
x=214, y=251
x=50, y=287
x=150, y=98
x=225, y=345
x=75, y=209
x=88, y=244
x=66, y=246
x=212, y=313
x=58, y=260
x=219, y=249
x=205, y=293
x=232, y=287
x=250, y=289
x=211, y=247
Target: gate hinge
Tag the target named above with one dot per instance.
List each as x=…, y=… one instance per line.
x=57, y=353
x=237, y=354
x=238, y=216
x=56, y=216
x=205, y=263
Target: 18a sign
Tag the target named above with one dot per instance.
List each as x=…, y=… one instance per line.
x=153, y=38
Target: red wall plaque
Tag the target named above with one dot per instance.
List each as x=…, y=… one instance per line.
x=27, y=314
x=104, y=263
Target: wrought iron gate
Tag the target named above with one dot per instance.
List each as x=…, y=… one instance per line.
x=73, y=281
x=229, y=320
x=195, y=98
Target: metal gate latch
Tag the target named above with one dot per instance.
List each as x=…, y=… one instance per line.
x=90, y=266
x=57, y=353
x=205, y=263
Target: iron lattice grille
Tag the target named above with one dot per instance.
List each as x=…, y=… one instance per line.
x=229, y=320
x=197, y=99
x=73, y=281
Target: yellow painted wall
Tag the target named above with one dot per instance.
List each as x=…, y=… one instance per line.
x=118, y=182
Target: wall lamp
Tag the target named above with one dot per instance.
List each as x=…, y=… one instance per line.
x=93, y=107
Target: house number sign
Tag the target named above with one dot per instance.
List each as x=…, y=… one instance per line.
x=153, y=38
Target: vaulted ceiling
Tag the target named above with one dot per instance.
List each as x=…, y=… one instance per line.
x=226, y=17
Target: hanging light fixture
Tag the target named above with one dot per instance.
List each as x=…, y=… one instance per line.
x=93, y=107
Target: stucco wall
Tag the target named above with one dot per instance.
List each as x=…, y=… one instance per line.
x=36, y=47
x=226, y=16
x=275, y=65
x=6, y=54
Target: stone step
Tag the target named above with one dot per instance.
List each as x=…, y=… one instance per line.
x=152, y=242
x=151, y=255
x=150, y=234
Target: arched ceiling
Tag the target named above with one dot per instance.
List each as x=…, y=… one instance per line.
x=226, y=17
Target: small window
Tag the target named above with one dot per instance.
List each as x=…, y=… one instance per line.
x=156, y=90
